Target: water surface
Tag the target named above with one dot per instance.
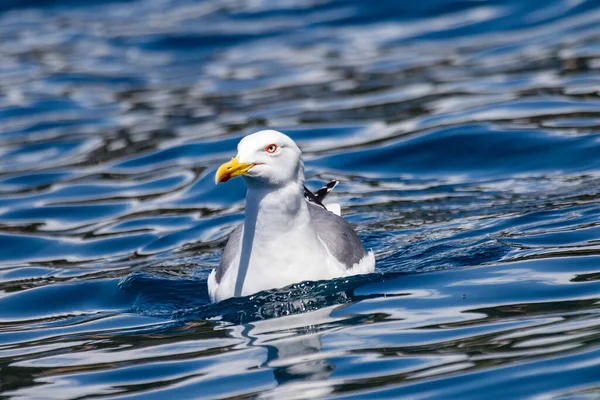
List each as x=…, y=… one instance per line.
x=465, y=134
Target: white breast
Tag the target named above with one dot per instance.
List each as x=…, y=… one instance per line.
x=279, y=247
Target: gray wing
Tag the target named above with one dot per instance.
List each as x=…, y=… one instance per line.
x=338, y=235
x=230, y=252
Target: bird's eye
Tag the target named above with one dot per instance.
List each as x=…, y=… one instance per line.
x=272, y=148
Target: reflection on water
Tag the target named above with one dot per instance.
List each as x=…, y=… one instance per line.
x=465, y=135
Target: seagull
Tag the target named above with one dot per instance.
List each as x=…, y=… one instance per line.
x=288, y=235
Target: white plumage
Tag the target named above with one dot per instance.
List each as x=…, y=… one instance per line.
x=284, y=239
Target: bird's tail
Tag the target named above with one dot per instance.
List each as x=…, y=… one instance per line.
x=334, y=208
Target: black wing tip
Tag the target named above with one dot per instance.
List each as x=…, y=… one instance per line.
x=318, y=196
x=331, y=185
x=312, y=198
x=325, y=190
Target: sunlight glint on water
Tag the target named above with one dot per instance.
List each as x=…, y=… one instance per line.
x=466, y=139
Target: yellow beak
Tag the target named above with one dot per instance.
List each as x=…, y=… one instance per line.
x=231, y=169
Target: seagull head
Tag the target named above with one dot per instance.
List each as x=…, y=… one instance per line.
x=266, y=158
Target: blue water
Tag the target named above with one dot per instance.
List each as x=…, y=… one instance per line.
x=465, y=134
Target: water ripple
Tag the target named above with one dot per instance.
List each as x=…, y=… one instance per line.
x=465, y=137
